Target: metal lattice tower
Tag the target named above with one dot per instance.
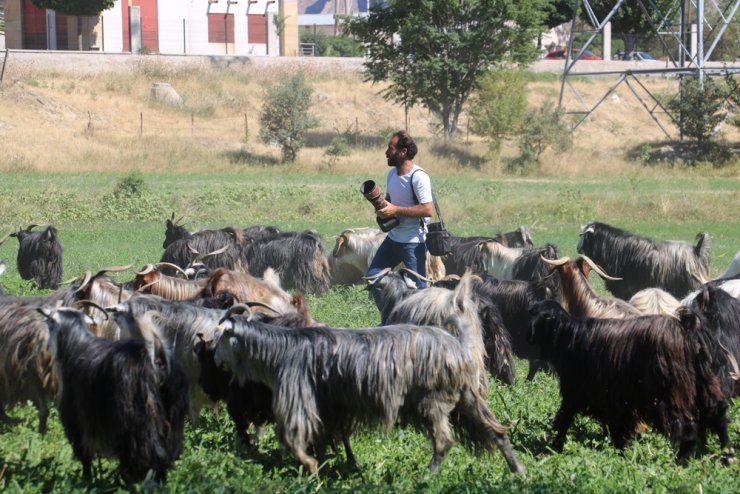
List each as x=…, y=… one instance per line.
x=671, y=24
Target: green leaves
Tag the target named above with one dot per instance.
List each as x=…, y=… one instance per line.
x=284, y=119
x=75, y=7
x=433, y=52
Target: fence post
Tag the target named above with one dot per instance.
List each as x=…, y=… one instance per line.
x=246, y=128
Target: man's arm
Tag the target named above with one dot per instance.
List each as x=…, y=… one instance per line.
x=425, y=210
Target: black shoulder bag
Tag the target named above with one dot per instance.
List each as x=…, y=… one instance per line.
x=438, y=238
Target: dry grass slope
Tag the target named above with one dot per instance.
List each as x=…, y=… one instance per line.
x=100, y=117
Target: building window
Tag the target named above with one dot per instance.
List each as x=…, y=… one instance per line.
x=220, y=28
x=257, y=29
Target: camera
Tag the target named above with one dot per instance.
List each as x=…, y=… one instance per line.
x=372, y=193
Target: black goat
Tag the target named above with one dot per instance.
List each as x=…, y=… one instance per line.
x=652, y=369
x=298, y=259
x=124, y=399
x=39, y=256
x=675, y=266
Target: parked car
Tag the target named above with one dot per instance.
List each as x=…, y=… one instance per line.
x=560, y=55
x=637, y=56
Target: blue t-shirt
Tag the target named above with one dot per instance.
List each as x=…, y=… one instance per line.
x=410, y=229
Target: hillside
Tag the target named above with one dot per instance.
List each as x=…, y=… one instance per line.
x=95, y=113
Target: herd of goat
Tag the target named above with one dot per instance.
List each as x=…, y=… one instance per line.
x=213, y=320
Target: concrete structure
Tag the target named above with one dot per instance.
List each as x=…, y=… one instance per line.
x=196, y=27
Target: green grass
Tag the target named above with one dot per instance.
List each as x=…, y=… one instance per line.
x=100, y=226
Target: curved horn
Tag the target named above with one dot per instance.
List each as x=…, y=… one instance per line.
x=587, y=229
x=147, y=269
x=32, y=226
x=236, y=309
x=374, y=277
x=191, y=249
x=216, y=252
x=555, y=262
x=90, y=303
x=85, y=281
x=414, y=273
x=113, y=269
x=262, y=304
x=170, y=265
x=598, y=270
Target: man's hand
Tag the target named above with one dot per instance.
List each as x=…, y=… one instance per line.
x=388, y=211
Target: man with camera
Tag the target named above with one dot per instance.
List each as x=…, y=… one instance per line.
x=410, y=201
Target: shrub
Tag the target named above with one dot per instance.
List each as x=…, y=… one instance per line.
x=285, y=119
x=701, y=107
x=499, y=105
x=338, y=147
x=541, y=128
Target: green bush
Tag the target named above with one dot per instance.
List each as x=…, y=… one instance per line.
x=333, y=46
x=701, y=107
x=498, y=107
x=338, y=147
x=285, y=119
x=541, y=128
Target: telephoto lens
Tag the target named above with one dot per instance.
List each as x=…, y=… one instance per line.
x=372, y=193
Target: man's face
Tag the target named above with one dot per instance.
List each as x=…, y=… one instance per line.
x=395, y=156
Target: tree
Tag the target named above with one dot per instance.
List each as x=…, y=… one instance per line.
x=75, y=7
x=630, y=20
x=78, y=8
x=284, y=119
x=558, y=12
x=432, y=52
x=498, y=107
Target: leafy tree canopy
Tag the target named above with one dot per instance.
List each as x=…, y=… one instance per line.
x=558, y=12
x=432, y=52
x=75, y=7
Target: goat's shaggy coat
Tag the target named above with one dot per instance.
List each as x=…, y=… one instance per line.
x=490, y=343
x=355, y=249
x=464, y=250
x=180, y=324
x=26, y=371
x=297, y=258
x=124, y=399
x=324, y=381
x=513, y=298
x=675, y=266
x=655, y=301
x=721, y=315
x=655, y=369
x=180, y=252
x=40, y=256
x=580, y=298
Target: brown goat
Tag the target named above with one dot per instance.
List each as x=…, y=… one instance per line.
x=580, y=298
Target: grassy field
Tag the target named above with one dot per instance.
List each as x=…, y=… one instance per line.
x=103, y=222
x=92, y=154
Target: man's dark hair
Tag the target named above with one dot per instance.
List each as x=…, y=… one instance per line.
x=406, y=142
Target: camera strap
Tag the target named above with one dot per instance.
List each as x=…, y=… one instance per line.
x=416, y=201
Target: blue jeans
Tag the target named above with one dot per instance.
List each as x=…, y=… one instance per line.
x=390, y=254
